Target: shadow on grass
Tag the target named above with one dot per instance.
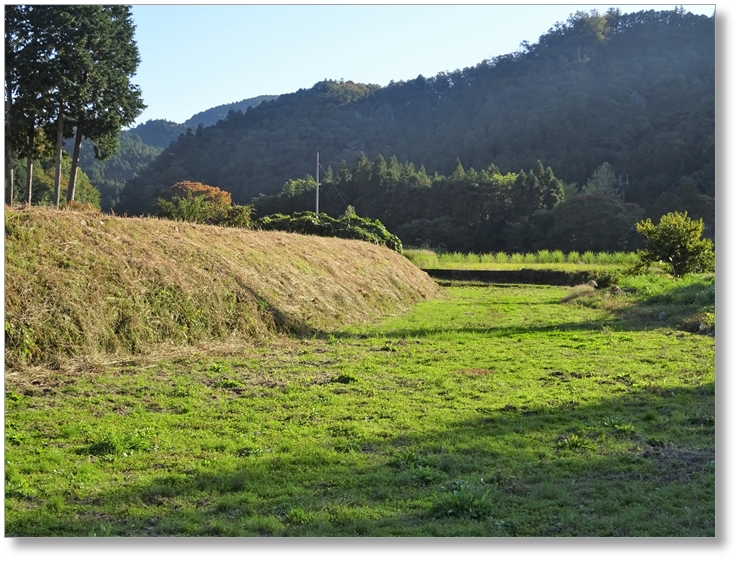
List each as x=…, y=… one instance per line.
x=681, y=307
x=637, y=465
x=491, y=331
x=635, y=318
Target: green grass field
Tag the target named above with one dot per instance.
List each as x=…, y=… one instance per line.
x=496, y=411
x=543, y=259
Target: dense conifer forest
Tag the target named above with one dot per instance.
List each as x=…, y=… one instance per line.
x=617, y=109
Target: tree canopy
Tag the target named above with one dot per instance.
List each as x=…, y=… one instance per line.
x=676, y=241
x=68, y=68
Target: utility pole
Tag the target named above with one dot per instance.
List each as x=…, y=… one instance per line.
x=318, y=165
x=623, y=186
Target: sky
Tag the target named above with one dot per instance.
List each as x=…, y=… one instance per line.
x=194, y=57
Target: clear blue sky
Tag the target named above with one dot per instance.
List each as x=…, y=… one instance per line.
x=194, y=57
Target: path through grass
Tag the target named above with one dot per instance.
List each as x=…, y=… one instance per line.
x=499, y=411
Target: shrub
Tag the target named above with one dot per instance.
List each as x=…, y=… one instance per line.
x=623, y=258
x=349, y=227
x=238, y=216
x=606, y=278
x=544, y=256
x=558, y=256
x=193, y=189
x=676, y=241
x=517, y=258
x=454, y=257
x=190, y=201
x=189, y=209
x=573, y=257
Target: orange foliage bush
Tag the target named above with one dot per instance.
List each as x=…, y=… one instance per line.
x=192, y=189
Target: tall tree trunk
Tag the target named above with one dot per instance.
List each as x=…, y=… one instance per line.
x=58, y=163
x=9, y=155
x=29, y=165
x=75, y=163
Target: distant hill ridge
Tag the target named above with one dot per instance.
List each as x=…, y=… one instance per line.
x=161, y=132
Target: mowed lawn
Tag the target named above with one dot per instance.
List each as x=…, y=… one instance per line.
x=497, y=411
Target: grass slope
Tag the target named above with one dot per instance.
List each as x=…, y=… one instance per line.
x=497, y=411
x=86, y=284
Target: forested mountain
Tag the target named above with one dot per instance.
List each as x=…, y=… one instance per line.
x=110, y=176
x=160, y=132
x=139, y=145
x=635, y=91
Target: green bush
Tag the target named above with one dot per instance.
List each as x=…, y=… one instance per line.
x=501, y=257
x=517, y=258
x=238, y=216
x=200, y=210
x=588, y=257
x=558, y=256
x=676, y=241
x=624, y=258
x=543, y=256
x=454, y=257
x=351, y=227
x=189, y=209
x=606, y=278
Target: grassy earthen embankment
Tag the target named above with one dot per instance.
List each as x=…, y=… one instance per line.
x=89, y=284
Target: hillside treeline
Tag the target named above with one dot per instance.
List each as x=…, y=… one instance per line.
x=635, y=91
x=469, y=210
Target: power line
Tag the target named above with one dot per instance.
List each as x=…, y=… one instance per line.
x=319, y=166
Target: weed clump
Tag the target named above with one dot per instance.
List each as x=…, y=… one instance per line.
x=463, y=500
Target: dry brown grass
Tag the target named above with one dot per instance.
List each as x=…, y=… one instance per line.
x=85, y=284
x=578, y=292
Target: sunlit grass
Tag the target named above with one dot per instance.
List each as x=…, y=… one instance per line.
x=519, y=411
x=542, y=259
